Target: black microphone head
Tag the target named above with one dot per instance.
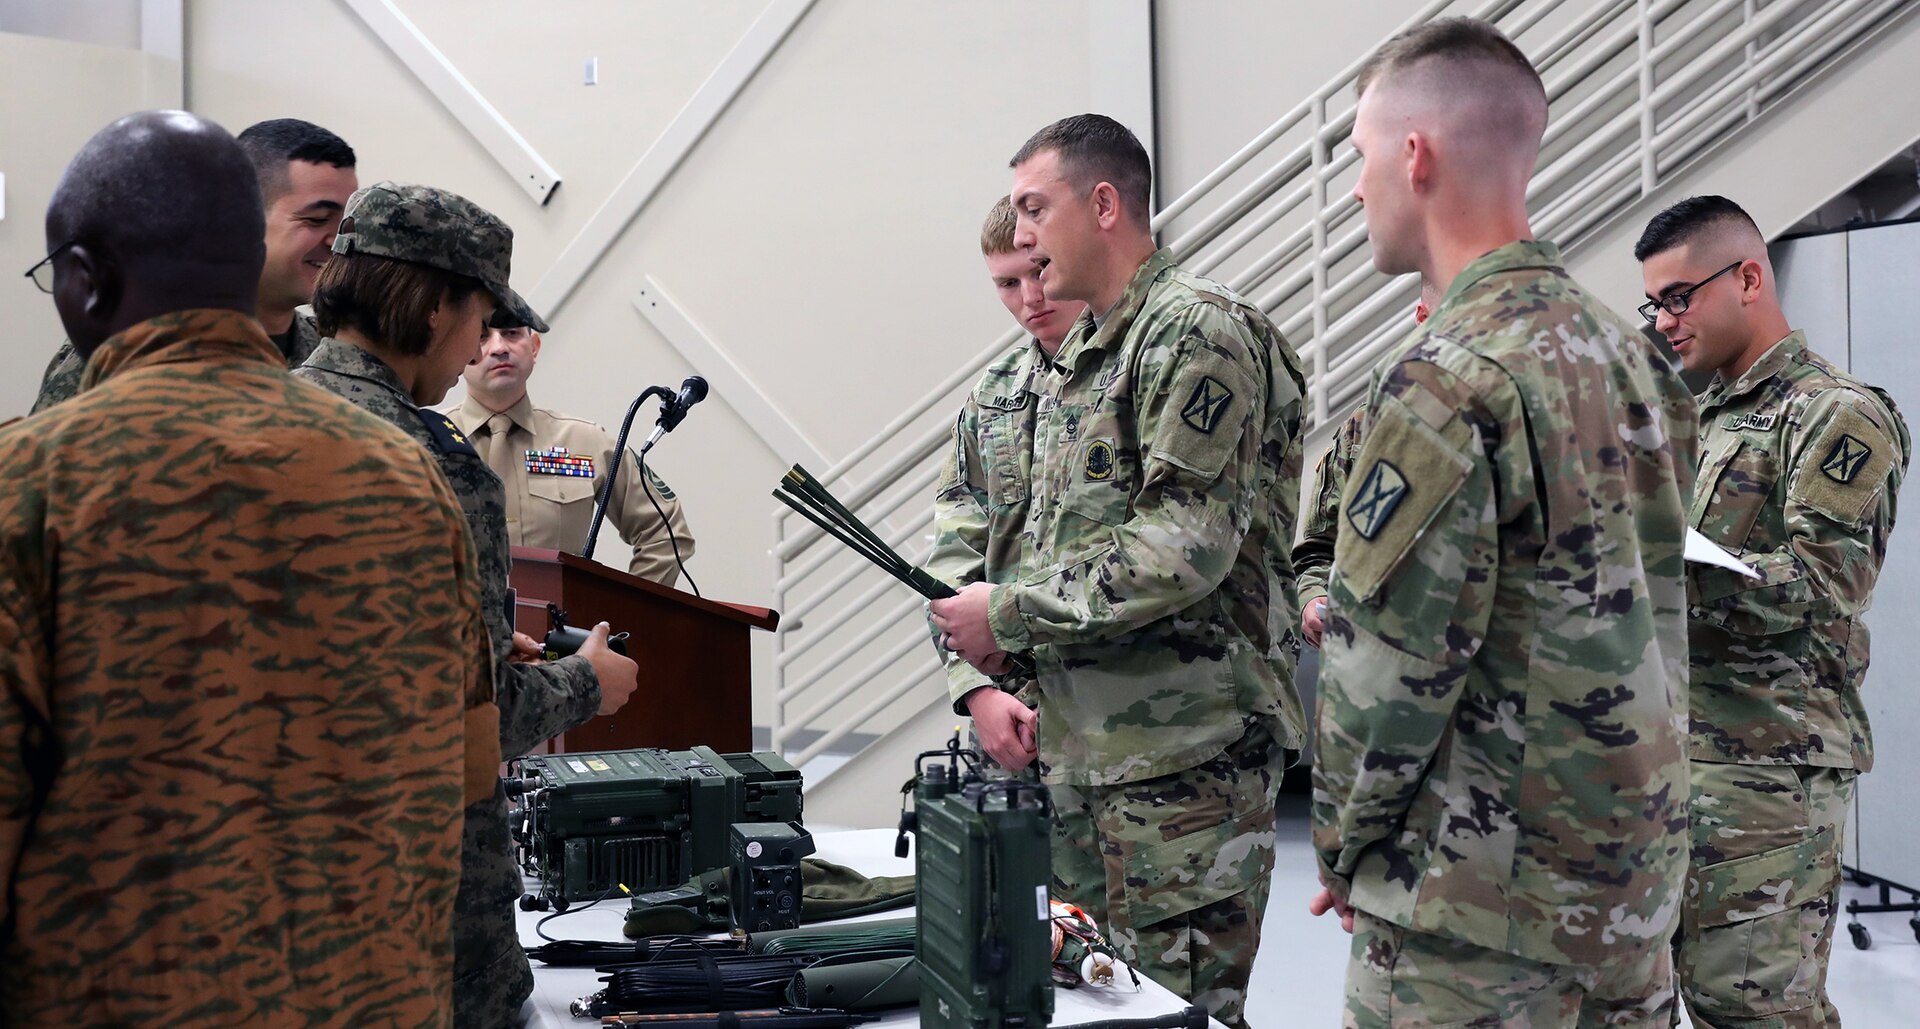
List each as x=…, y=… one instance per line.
x=693, y=390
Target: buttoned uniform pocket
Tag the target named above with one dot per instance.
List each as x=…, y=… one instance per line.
x=1731, y=491
x=564, y=489
x=1098, y=462
x=1006, y=445
x=1753, y=924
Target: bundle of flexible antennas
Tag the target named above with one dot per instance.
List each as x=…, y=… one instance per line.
x=799, y=490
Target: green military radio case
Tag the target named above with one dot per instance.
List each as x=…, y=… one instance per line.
x=982, y=866
x=643, y=819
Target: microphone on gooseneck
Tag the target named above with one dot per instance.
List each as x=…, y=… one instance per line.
x=673, y=409
x=692, y=391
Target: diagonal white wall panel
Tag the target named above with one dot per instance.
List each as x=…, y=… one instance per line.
x=762, y=38
x=728, y=379
x=487, y=125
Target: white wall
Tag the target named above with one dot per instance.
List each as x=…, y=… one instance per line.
x=54, y=95
x=823, y=233
x=114, y=23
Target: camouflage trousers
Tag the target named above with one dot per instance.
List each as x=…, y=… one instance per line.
x=1762, y=894
x=491, y=977
x=1398, y=977
x=1176, y=868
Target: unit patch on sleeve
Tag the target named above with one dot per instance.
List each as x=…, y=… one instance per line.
x=1379, y=496
x=1206, y=405
x=1845, y=459
x=559, y=461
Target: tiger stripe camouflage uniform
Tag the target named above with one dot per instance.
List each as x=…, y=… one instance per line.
x=62, y=378
x=239, y=698
x=1158, y=609
x=1800, y=466
x=1500, y=773
x=537, y=701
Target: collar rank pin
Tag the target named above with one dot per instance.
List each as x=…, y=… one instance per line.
x=560, y=461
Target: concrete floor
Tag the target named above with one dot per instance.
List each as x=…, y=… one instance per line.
x=1298, y=977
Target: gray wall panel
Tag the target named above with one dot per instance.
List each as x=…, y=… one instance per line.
x=1884, y=272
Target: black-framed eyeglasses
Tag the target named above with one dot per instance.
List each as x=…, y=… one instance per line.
x=42, y=271
x=1676, y=303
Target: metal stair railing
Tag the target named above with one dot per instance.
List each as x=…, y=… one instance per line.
x=1637, y=89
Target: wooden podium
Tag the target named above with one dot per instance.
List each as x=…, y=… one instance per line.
x=695, y=676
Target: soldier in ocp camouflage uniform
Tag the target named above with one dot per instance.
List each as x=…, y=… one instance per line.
x=1158, y=598
x=305, y=174
x=1499, y=773
x=1800, y=465
x=980, y=514
x=1320, y=525
x=451, y=246
x=241, y=697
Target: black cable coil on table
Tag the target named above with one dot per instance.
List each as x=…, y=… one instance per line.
x=682, y=980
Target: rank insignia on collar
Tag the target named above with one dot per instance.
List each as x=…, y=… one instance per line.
x=1206, y=405
x=559, y=461
x=1099, y=461
x=1845, y=460
x=1379, y=497
x=1750, y=420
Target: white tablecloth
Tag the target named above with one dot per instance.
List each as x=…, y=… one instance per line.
x=871, y=852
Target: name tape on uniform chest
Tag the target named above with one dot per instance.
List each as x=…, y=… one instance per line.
x=559, y=461
x=1751, y=420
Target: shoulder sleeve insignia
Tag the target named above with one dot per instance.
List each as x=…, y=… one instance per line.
x=1844, y=461
x=1206, y=405
x=1099, y=461
x=1380, y=494
x=446, y=435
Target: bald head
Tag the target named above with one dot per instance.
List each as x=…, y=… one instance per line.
x=1466, y=86
x=159, y=212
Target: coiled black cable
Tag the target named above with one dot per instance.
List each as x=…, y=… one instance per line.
x=680, y=980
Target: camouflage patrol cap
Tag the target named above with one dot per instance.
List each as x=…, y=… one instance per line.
x=434, y=227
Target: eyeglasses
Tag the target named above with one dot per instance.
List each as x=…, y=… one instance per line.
x=42, y=271
x=1677, y=303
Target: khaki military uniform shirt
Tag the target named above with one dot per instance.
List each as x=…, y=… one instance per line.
x=1159, y=602
x=1800, y=466
x=554, y=466
x=1501, y=747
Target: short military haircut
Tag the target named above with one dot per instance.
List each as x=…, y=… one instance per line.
x=1459, y=46
x=1690, y=219
x=272, y=145
x=388, y=301
x=1094, y=148
x=996, y=236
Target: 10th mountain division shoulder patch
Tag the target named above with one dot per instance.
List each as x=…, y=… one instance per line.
x=1206, y=405
x=1379, y=496
x=1845, y=460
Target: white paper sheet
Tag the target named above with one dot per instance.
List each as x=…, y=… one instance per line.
x=1701, y=550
